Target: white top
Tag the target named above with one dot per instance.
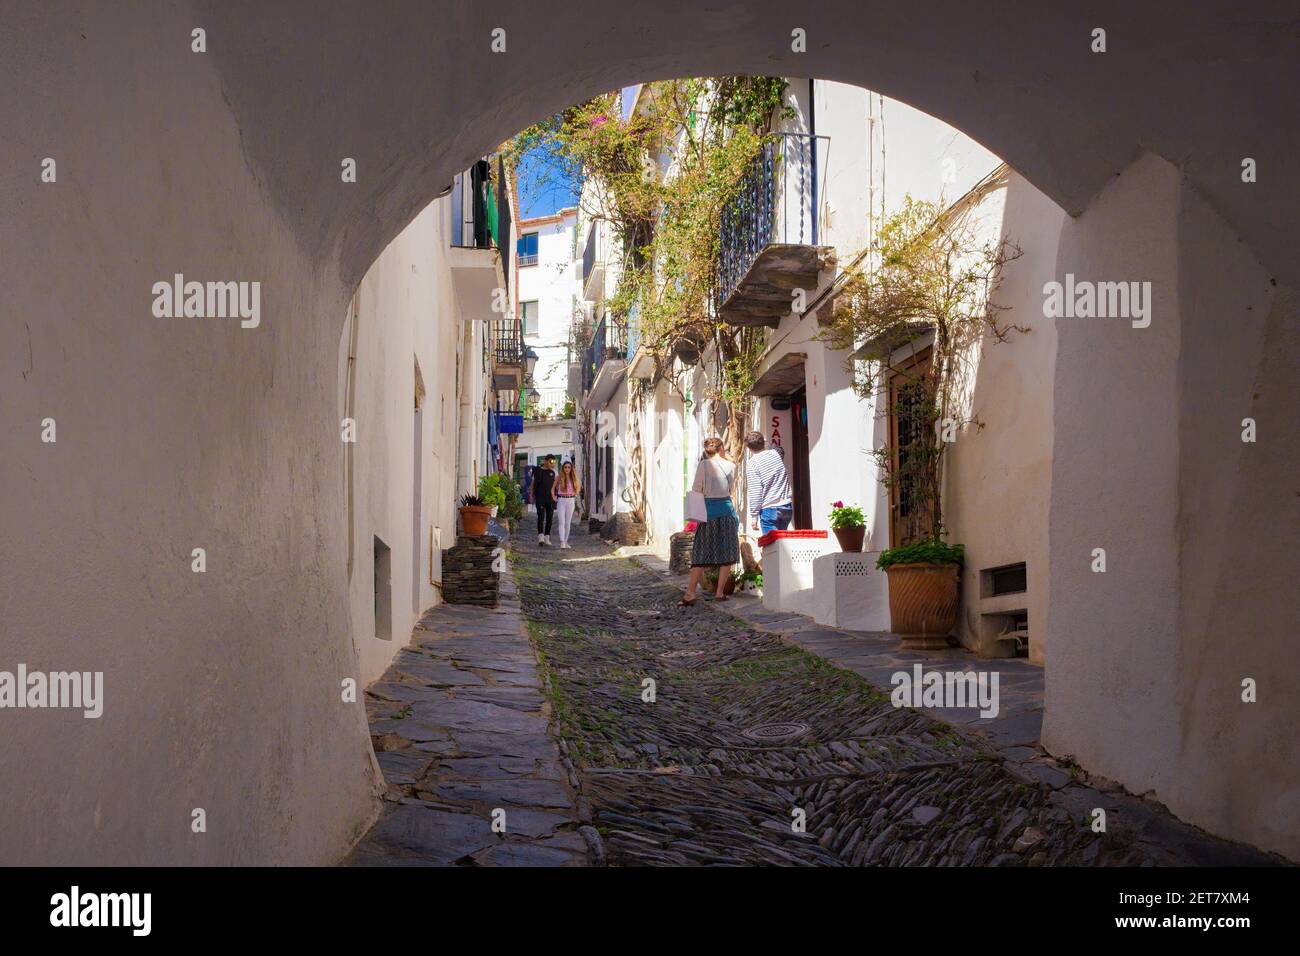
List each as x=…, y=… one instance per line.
x=768, y=486
x=714, y=477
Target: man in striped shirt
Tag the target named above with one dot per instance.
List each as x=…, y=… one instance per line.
x=767, y=487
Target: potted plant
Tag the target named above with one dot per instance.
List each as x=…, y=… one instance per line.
x=711, y=581
x=501, y=492
x=751, y=582
x=474, y=515
x=491, y=493
x=849, y=526
x=923, y=591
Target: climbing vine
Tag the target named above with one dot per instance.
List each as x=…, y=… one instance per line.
x=935, y=274
x=662, y=176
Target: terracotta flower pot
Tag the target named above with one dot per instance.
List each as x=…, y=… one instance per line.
x=711, y=579
x=474, y=519
x=923, y=603
x=850, y=539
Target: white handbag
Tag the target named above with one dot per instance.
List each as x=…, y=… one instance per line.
x=696, y=509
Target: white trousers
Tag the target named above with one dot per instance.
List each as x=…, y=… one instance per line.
x=563, y=516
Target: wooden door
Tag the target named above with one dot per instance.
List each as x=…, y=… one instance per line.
x=909, y=422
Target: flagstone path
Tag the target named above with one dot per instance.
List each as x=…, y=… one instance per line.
x=690, y=736
x=459, y=724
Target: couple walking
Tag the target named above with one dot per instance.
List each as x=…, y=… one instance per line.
x=717, y=542
x=551, y=493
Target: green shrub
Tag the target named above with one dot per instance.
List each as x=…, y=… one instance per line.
x=502, y=490
x=932, y=551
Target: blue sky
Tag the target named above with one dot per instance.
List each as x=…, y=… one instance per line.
x=544, y=184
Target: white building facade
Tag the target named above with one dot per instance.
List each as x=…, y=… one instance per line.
x=546, y=291
x=419, y=379
x=845, y=159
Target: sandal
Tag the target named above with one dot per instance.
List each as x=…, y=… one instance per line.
x=720, y=597
x=687, y=602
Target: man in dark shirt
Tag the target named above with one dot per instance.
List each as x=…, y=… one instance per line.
x=543, y=496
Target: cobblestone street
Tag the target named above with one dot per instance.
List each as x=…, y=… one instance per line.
x=532, y=716
x=749, y=733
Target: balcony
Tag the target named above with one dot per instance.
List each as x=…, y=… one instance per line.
x=507, y=348
x=605, y=360
x=547, y=405
x=770, y=235
x=480, y=231
x=593, y=267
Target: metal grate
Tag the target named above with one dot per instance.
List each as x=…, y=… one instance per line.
x=1012, y=579
x=775, y=733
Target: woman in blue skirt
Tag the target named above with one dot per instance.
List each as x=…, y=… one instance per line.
x=717, y=540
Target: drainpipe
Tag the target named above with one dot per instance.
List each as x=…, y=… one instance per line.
x=812, y=142
x=349, y=404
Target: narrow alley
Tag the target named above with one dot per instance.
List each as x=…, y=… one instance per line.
x=752, y=750
x=500, y=436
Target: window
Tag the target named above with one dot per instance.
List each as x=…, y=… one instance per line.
x=1009, y=579
x=527, y=247
x=528, y=316
x=383, y=591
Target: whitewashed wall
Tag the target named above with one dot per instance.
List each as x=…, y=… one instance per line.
x=406, y=312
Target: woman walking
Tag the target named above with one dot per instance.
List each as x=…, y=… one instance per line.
x=567, y=489
x=717, y=542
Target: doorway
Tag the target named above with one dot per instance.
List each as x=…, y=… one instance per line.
x=911, y=423
x=797, y=467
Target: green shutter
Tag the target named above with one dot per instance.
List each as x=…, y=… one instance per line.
x=492, y=223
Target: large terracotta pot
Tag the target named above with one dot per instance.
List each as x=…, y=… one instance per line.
x=923, y=603
x=474, y=519
x=850, y=539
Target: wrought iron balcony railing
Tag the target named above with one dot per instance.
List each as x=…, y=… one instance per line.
x=777, y=202
x=609, y=341
x=508, y=342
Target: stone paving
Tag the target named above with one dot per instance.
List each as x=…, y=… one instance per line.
x=769, y=741
x=752, y=730
x=459, y=726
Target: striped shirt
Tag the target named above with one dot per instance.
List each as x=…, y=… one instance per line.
x=766, y=483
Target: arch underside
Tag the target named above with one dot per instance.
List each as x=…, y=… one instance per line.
x=419, y=94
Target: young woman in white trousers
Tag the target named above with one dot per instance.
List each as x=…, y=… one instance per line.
x=567, y=489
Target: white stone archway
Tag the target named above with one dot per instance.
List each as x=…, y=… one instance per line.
x=177, y=435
